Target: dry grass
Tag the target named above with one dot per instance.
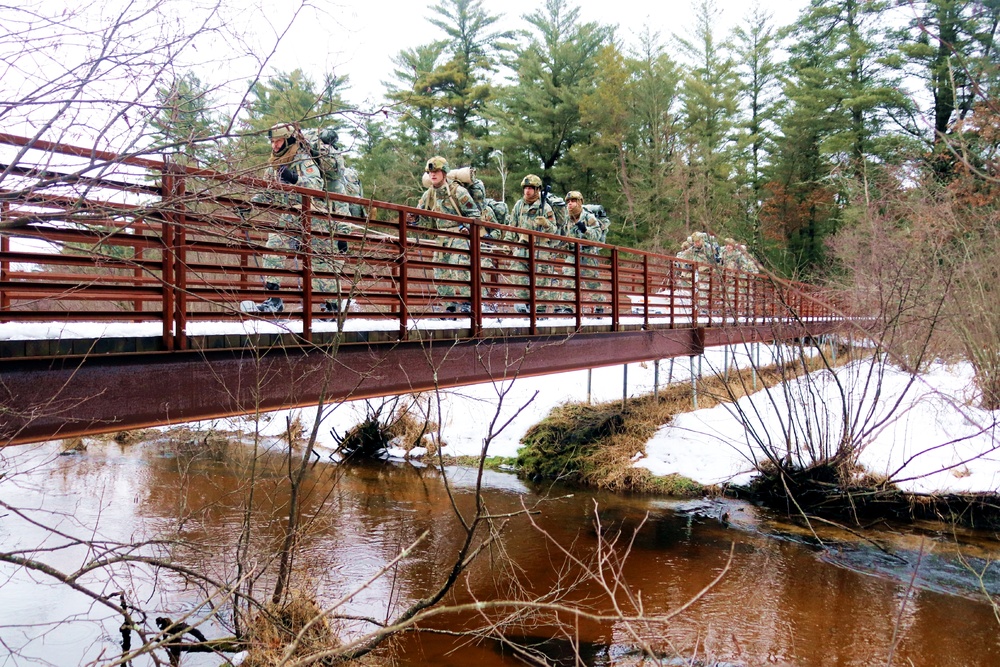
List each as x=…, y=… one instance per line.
x=566, y=446
x=274, y=631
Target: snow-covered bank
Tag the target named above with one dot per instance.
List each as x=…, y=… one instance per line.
x=922, y=432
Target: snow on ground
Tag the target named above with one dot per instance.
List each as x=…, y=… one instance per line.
x=924, y=432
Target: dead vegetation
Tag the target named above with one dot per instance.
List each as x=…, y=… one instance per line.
x=398, y=419
x=280, y=633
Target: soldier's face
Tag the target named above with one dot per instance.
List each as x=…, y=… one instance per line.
x=277, y=144
x=437, y=178
x=530, y=193
x=575, y=207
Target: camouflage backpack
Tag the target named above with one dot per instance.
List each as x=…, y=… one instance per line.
x=601, y=214
x=558, y=205
x=323, y=148
x=477, y=189
x=353, y=187
x=499, y=209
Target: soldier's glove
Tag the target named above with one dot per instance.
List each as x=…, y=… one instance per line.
x=342, y=246
x=581, y=226
x=288, y=175
x=464, y=228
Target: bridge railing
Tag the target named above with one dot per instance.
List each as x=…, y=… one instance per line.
x=173, y=250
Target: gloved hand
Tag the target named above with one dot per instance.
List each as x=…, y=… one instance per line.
x=581, y=226
x=287, y=175
x=342, y=246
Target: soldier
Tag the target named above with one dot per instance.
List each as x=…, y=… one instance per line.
x=730, y=256
x=446, y=196
x=582, y=224
x=290, y=163
x=530, y=212
x=700, y=248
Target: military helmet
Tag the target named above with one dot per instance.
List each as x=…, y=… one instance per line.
x=281, y=131
x=574, y=194
x=436, y=163
x=531, y=181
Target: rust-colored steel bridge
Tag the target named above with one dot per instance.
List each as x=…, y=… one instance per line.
x=129, y=290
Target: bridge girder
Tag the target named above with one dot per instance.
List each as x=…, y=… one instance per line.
x=42, y=400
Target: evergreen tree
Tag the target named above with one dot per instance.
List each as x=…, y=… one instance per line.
x=842, y=91
x=951, y=46
x=420, y=117
x=753, y=47
x=539, y=117
x=288, y=98
x=462, y=83
x=709, y=94
x=185, y=124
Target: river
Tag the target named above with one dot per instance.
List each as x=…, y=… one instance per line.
x=790, y=596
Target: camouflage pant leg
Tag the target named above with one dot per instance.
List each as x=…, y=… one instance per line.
x=599, y=297
x=326, y=259
x=452, y=259
x=280, y=241
x=546, y=267
x=518, y=265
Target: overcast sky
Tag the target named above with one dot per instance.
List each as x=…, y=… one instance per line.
x=361, y=38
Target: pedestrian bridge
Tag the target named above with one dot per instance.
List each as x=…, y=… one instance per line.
x=129, y=290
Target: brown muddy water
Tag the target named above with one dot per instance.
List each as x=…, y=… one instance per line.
x=919, y=593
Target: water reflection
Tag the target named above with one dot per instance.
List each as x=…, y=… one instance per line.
x=785, y=600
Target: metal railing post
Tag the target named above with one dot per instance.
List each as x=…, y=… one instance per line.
x=180, y=266
x=615, y=291
x=645, y=291
x=4, y=264
x=404, y=277
x=476, y=279
x=167, y=232
x=306, y=249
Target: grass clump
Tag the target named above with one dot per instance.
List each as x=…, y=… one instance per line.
x=558, y=447
x=297, y=625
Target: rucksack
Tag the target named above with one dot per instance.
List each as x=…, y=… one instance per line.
x=353, y=187
x=602, y=217
x=558, y=205
x=337, y=176
x=478, y=191
x=499, y=209
x=323, y=148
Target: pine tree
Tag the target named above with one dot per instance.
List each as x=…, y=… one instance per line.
x=539, y=117
x=185, y=124
x=753, y=46
x=420, y=117
x=462, y=83
x=709, y=94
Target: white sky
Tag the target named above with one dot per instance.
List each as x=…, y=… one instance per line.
x=360, y=39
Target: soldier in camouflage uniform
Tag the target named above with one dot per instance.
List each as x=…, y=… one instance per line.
x=584, y=225
x=529, y=212
x=445, y=196
x=699, y=247
x=291, y=163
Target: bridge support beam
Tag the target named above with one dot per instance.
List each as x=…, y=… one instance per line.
x=46, y=399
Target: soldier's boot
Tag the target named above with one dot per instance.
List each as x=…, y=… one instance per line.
x=271, y=305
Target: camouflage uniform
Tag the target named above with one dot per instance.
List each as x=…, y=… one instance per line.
x=699, y=247
x=536, y=218
x=453, y=199
x=591, y=231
